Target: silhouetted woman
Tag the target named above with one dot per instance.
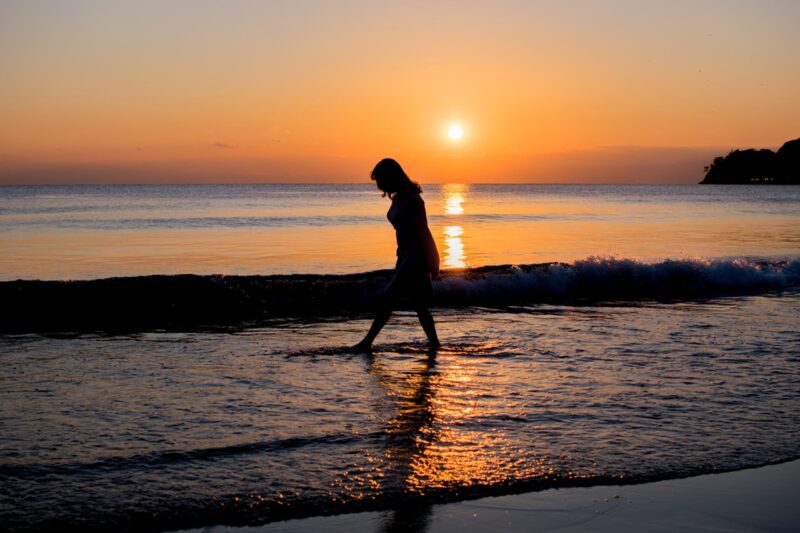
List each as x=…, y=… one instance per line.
x=417, y=257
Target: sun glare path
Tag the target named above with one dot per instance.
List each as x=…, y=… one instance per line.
x=453, y=203
x=454, y=255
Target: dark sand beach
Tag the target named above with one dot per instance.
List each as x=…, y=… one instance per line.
x=756, y=499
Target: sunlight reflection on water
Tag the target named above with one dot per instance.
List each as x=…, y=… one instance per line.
x=454, y=256
x=454, y=196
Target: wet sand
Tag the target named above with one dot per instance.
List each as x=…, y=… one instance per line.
x=758, y=499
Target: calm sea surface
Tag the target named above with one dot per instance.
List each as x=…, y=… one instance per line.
x=159, y=430
x=83, y=232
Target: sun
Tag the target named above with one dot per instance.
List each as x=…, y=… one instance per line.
x=455, y=132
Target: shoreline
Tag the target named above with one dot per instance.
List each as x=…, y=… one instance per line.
x=754, y=499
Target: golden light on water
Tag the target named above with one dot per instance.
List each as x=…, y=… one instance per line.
x=427, y=446
x=454, y=255
x=453, y=200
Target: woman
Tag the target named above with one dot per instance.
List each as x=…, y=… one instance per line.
x=417, y=257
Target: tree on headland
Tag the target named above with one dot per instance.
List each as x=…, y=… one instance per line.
x=757, y=166
x=788, y=161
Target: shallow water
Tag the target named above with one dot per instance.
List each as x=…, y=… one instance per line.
x=167, y=430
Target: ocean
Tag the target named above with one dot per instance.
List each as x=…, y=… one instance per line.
x=592, y=334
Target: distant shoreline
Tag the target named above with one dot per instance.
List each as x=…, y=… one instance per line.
x=756, y=167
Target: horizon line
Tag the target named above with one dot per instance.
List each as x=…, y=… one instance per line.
x=173, y=184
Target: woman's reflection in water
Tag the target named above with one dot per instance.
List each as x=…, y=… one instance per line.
x=408, y=434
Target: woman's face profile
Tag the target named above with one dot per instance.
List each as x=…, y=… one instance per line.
x=382, y=183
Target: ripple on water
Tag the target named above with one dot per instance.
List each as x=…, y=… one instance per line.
x=287, y=421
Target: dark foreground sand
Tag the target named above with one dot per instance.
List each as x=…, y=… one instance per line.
x=758, y=499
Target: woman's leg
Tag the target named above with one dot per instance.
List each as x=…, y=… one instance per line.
x=387, y=303
x=426, y=320
x=381, y=318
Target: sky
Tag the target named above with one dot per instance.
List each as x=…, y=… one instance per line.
x=176, y=91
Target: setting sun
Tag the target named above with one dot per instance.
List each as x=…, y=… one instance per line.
x=455, y=132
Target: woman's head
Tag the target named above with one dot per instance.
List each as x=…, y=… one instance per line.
x=391, y=179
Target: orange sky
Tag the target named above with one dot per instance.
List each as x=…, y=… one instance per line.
x=247, y=91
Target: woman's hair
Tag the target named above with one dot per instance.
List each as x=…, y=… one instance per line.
x=391, y=179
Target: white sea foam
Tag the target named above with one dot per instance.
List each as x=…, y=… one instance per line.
x=618, y=278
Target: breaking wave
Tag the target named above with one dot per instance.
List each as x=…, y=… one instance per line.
x=178, y=301
x=610, y=278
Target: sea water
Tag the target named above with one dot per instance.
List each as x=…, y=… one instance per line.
x=85, y=232
x=165, y=428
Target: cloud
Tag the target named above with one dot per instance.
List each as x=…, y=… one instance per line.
x=222, y=145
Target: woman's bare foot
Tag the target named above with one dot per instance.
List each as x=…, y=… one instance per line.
x=362, y=347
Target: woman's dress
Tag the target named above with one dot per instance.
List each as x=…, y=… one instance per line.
x=417, y=257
